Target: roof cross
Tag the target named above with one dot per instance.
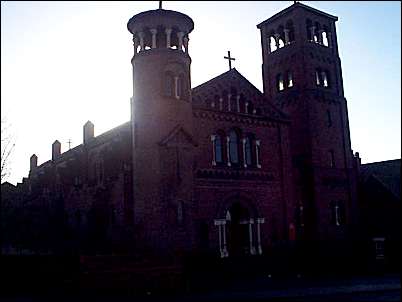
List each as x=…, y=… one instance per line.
x=230, y=59
x=69, y=144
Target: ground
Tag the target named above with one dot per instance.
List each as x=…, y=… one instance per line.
x=297, y=288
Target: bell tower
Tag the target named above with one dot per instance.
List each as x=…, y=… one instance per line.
x=161, y=118
x=302, y=75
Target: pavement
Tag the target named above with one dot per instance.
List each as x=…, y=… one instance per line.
x=268, y=288
x=305, y=289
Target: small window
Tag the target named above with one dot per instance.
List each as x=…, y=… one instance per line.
x=317, y=78
x=324, y=79
x=248, y=149
x=179, y=87
x=180, y=212
x=218, y=149
x=337, y=213
x=331, y=159
x=379, y=247
x=300, y=215
x=279, y=82
x=290, y=79
x=234, y=147
x=257, y=154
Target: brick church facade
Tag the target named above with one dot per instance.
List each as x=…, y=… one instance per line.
x=221, y=167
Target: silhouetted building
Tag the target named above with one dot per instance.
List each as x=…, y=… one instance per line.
x=223, y=167
x=380, y=208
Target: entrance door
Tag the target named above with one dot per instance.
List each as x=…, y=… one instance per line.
x=238, y=236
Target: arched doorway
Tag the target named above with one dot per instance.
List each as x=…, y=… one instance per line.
x=237, y=217
x=239, y=228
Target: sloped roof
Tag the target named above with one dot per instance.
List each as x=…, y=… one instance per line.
x=387, y=173
x=234, y=79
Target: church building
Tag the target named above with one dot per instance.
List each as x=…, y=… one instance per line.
x=222, y=167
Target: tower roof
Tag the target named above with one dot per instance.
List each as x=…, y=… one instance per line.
x=157, y=17
x=296, y=6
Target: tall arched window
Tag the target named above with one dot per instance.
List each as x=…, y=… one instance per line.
x=233, y=147
x=291, y=32
x=218, y=149
x=248, y=151
x=325, y=39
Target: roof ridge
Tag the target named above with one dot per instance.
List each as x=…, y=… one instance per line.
x=383, y=161
x=214, y=78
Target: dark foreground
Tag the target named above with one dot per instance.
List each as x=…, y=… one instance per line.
x=123, y=279
x=367, y=288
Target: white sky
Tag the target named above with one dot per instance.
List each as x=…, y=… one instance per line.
x=63, y=63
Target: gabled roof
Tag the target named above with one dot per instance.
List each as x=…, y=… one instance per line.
x=228, y=75
x=387, y=173
x=291, y=8
x=234, y=79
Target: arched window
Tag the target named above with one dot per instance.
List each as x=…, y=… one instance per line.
x=272, y=44
x=290, y=79
x=169, y=84
x=233, y=147
x=179, y=87
x=324, y=77
x=250, y=108
x=279, y=82
x=309, y=24
x=316, y=37
x=317, y=77
x=248, y=151
x=325, y=38
x=291, y=32
x=281, y=43
x=337, y=212
x=331, y=158
x=258, y=153
x=218, y=149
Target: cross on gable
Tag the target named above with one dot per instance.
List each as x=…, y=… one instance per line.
x=230, y=59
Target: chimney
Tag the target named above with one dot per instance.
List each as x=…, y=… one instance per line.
x=33, y=162
x=56, y=149
x=88, y=132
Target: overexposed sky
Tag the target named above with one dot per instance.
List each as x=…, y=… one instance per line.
x=63, y=63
